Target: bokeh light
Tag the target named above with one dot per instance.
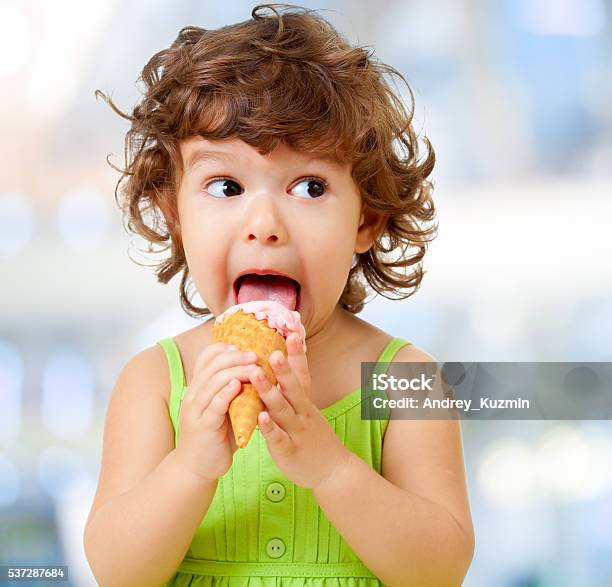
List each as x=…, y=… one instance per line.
x=15, y=38
x=58, y=468
x=52, y=85
x=573, y=18
x=16, y=223
x=83, y=218
x=506, y=474
x=9, y=482
x=573, y=465
x=67, y=393
x=11, y=387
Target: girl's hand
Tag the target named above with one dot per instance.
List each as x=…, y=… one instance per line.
x=300, y=440
x=206, y=442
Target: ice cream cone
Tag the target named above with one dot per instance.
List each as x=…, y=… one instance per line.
x=247, y=333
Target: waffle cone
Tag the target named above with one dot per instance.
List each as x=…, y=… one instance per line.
x=247, y=333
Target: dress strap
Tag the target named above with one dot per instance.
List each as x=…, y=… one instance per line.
x=175, y=364
x=177, y=380
x=386, y=357
x=395, y=344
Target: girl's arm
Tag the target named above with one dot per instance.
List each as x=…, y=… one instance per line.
x=148, y=505
x=412, y=525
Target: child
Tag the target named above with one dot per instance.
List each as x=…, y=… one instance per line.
x=273, y=146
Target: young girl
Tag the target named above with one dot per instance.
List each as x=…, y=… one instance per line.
x=273, y=146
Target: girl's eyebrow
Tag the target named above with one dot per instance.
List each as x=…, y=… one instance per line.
x=329, y=159
x=200, y=155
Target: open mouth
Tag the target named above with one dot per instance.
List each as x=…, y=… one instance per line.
x=265, y=286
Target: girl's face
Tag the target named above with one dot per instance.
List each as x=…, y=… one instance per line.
x=239, y=210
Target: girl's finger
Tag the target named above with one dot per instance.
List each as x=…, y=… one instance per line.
x=214, y=414
x=211, y=388
x=276, y=403
x=274, y=435
x=291, y=387
x=219, y=362
x=297, y=360
x=209, y=354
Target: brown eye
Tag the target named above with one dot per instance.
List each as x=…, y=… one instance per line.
x=311, y=187
x=221, y=188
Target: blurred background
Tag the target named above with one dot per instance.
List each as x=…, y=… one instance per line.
x=516, y=97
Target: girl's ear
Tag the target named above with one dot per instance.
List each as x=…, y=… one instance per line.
x=371, y=224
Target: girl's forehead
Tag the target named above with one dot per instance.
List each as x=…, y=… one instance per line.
x=198, y=149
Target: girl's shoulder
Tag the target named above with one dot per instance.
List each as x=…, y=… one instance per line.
x=338, y=373
x=363, y=341
x=137, y=431
x=189, y=344
x=368, y=341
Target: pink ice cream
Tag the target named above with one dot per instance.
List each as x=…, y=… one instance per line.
x=279, y=317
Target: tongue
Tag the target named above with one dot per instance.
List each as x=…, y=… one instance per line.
x=268, y=287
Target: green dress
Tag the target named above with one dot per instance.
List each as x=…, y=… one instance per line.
x=262, y=530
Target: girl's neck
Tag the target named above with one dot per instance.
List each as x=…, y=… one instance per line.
x=322, y=342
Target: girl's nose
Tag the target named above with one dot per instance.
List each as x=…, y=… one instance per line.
x=263, y=221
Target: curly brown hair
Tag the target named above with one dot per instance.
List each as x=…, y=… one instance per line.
x=286, y=76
